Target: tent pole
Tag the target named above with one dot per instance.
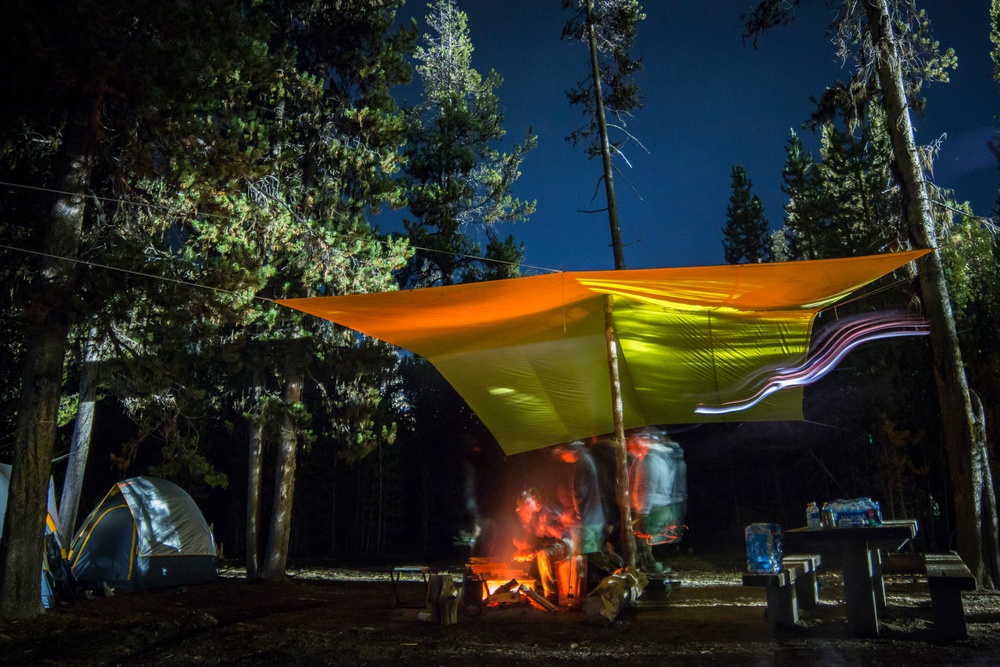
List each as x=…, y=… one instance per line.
x=621, y=455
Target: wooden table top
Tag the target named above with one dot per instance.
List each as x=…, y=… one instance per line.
x=891, y=534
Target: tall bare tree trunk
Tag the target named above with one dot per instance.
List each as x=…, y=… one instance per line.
x=284, y=483
x=46, y=330
x=254, y=467
x=602, y=124
x=69, y=503
x=953, y=392
x=621, y=454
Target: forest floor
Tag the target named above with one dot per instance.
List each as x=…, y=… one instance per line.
x=342, y=616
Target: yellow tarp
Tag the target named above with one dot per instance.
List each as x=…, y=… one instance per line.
x=529, y=354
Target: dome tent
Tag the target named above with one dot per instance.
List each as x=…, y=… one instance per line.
x=146, y=533
x=55, y=584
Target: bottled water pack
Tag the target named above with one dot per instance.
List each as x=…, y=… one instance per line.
x=764, y=547
x=856, y=513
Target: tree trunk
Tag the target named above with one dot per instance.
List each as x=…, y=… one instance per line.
x=627, y=545
x=380, y=506
x=69, y=503
x=284, y=483
x=621, y=455
x=949, y=374
x=602, y=125
x=46, y=329
x=983, y=475
x=254, y=466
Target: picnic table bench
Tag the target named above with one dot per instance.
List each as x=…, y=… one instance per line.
x=806, y=586
x=947, y=577
x=787, y=590
x=398, y=574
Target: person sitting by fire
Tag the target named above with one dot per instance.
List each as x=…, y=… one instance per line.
x=545, y=539
x=658, y=514
x=579, y=494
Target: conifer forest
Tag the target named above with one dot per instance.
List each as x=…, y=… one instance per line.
x=169, y=170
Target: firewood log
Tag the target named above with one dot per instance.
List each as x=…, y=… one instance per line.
x=612, y=595
x=537, y=599
x=443, y=600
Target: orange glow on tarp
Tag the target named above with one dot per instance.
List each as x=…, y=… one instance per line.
x=529, y=355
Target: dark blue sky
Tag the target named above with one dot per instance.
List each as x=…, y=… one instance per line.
x=711, y=102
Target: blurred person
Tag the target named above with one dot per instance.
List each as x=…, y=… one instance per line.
x=578, y=490
x=545, y=538
x=460, y=516
x=657, y=495
x=604, y=451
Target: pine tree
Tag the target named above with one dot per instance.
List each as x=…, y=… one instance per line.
x=856, y=165
x=337, y=144
x=93, y=83
x=609, y=29
x=995, y=38
x=608, y=93
x=807, y=213
x=260, y=138
x=889, y=41
x=747, y=239
x=457, y=180
x=839, y=206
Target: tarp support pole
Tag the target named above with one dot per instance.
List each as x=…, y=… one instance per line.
x=621, y=454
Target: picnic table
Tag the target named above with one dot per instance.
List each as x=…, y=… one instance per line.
x=860, y=551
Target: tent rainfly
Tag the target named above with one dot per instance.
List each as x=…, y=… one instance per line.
x=49, y=596
x=529, y=354
x=146, y=533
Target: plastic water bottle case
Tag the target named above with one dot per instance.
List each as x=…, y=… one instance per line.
x=764, y=547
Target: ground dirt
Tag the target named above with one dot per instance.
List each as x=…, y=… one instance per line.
x=343, y=616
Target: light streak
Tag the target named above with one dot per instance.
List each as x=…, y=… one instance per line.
x=832, y=346
x=669, y=535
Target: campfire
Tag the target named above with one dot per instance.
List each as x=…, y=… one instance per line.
x=494, y=583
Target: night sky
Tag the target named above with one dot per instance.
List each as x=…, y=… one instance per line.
x=711, y=102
